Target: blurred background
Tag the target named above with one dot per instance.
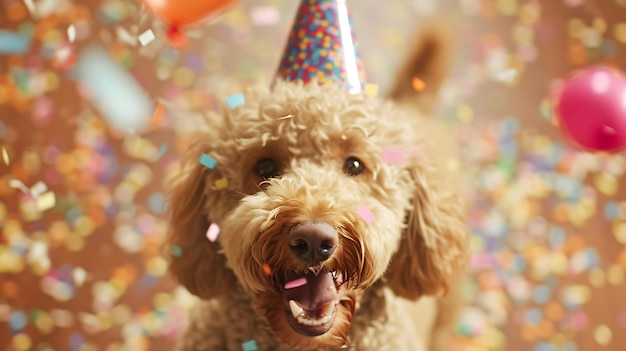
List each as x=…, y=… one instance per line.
x=81, y=202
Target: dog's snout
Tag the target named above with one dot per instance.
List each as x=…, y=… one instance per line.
x=313, y=242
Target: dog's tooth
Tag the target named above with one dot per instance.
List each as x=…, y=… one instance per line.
x=295, y=309
x=328, y=309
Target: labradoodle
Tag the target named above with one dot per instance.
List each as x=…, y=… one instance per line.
x=340, y=225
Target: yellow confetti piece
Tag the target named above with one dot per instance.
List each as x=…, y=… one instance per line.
x=606, y=184
x=221, y=183
x=597, y=278
x=465, y=113
x=5, y=156
x=22, y=342
x=619, y=231
x=615, y=275
x=371, y=90
x=418, y=84
x=620, y=32
x=46, y=201
x=602, y=335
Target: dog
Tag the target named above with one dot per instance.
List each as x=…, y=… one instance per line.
x=349, y=199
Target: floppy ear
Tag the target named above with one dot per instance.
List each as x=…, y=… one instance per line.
x=434, y=247
x=195, y=262
x=421, y=75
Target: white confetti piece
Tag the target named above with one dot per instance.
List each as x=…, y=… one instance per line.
x=38, y=189
x=125, y=37
x=146, y=37
x=29, y=5
x=46, y=201
x=71, y=33
x=265, y=15
x=213, y=232
x=16, y=184
x=113, y=91
x=79, y=275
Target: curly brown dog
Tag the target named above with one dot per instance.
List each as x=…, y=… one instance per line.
x=340, y=225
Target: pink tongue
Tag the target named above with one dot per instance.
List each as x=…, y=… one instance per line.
x=317, y=291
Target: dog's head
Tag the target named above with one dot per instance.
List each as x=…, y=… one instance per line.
x=318, y=194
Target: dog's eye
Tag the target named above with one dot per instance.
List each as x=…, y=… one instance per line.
x=266, y=168
x=353, y=166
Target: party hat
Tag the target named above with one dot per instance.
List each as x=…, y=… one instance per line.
x=322, y=46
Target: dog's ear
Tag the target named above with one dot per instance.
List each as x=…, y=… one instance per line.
x=195, y=262
x=433, y=249
x=421, y=75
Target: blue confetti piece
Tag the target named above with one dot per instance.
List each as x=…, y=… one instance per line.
x=177, y=251
x=611, y=211
x=249, y=345
x=113, y=90
x=17, y=321
x=155, y=203
x=207, y=161
x=13, y=43
x=162, y=151
x=236, y=100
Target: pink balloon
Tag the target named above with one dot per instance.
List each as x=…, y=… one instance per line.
x=591, y=109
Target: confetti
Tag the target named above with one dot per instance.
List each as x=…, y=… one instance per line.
x=5, y=156
x=366, y=214
x=418, y=84
x=207, y=161
x=113, y=91
x=162, y=151
x=46, y=201
x=394, y=156
x=12, y=43
x=38, y=189
x=235, y=101
x=249, y=345
x=213, y=232
x=146, y=37
x=29, y=5
x=16, y=184
x=71, y=33
x=295, y=283
x=177, y=251
x=266, y=269
x=157, y=116
x=371, y=90
x=265, y=15
x=221, y=183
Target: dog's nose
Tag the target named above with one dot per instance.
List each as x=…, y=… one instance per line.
x=313, y=242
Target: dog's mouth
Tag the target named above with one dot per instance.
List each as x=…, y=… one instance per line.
x=311, y=305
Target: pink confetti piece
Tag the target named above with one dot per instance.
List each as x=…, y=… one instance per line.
x=295, y=283
x=394, y=155
x=366, y=214
x=213, y=232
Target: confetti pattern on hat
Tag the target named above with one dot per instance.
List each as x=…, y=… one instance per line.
x=322, y=46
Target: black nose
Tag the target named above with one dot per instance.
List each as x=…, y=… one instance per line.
x=313, y=242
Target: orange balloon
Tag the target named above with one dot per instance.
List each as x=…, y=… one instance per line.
x=178, y=13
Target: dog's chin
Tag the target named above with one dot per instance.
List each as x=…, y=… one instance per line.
x=311, y=307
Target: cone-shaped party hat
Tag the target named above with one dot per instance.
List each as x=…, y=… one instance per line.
x=322, y=46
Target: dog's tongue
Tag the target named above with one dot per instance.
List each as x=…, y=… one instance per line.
x=317, y=291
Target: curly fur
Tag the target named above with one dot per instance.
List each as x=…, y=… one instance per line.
x=415, y=247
